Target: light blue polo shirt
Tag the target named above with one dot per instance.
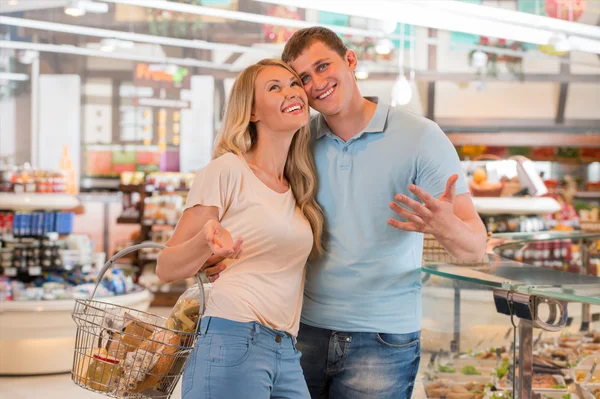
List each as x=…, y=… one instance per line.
x=369, y=279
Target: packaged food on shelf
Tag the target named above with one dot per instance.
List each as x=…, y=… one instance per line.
x=28, y=180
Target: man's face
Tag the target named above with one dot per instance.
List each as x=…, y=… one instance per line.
x=328, y=78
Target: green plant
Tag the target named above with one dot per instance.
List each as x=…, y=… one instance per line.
x=446, y=369
x=470, y=370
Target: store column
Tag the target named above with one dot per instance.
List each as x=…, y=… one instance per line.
x=197, y=125
x=59, y=122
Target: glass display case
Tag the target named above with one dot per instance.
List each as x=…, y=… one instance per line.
x=474, y=314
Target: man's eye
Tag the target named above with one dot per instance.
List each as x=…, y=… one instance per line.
x=305, y=79
x=322, y=67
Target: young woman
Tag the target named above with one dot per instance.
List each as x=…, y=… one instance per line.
x=261, y=186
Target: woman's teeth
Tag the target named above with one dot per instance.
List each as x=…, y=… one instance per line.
x=326, y=94
x=292, y=108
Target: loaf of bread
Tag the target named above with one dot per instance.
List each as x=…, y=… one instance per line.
x=145, y=367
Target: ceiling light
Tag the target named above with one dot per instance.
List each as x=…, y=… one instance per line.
x=361, y=72
x=108, y=45
x=517, y=17
x=27, y=56
x=74, y=11
x=560, y=42
x=479, y=59
x=13, y=2
x=132, y=37
x=401, y=92
x=389, y=26
x=383, y=46
x=66, y=49
x=78, y=8
x=18, y=77
x=415, y=13
x=249, y=17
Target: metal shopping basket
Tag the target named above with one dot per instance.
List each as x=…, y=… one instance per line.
x=126, y=353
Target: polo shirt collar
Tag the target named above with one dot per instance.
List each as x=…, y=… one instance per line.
x=376, y=124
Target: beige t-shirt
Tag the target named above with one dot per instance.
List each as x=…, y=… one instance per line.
x=266, y=284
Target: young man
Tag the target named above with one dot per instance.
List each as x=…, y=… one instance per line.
x=361, y=316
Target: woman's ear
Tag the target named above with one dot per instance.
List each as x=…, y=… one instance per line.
x=253, y=117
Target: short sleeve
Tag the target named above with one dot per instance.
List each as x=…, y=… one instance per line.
x=437, y=160
x=216, y=184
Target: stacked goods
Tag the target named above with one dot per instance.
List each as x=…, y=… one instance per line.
x=481, y=187
x=558, y=363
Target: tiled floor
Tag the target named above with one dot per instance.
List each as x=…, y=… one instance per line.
x=49, y=387
x=60, y=386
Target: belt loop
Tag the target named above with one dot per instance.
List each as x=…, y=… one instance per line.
x=255, y=332
x=205, y=321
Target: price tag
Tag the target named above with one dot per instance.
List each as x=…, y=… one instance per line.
x=35, y=271
x=10, y=272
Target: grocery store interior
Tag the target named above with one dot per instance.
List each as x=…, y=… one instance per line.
x=108, y=108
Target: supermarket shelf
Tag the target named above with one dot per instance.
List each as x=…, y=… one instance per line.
x=35, y=271
x=595, y=195
x=128, y=220
x=149, y=222
x=515, y=206
x=148, y=188
x=37, y=202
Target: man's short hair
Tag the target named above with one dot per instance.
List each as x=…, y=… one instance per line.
x=304, y=38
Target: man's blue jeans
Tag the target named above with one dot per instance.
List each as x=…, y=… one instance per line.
x=346, y=365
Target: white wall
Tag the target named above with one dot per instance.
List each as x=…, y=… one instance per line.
x=60, y=121
x=97, y=111
x=197, y=125
x=7, y=127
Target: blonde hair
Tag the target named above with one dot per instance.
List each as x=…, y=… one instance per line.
x=238, y=135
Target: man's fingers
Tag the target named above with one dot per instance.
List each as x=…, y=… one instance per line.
x=421, y=194
x=407, y=215
x=218, y=241
x=417, y=207
x=451, y=187
x=213, y=260
x=209, y=234
x=213, y=270
x=406, y=226
x=214, y=278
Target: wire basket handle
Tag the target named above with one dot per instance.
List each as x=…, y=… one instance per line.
x=200, y=277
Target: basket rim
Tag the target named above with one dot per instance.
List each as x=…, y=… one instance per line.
x=88, y=304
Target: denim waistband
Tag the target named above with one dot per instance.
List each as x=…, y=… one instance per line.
x=254, y=330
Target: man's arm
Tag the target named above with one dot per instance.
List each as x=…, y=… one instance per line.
x=468, y=240
x=451, y=219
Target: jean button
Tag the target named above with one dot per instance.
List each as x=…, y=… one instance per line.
x=278, y=339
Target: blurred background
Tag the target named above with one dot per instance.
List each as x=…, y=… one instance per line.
x=109, y=107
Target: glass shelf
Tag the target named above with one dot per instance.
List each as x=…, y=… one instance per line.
x=545, y=236
x=515, y=276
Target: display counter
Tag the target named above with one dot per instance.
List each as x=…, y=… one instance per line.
x=35, y=201
x=468, y=331
x=38, y=337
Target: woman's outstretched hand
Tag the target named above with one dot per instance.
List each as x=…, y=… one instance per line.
x=220, y=241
